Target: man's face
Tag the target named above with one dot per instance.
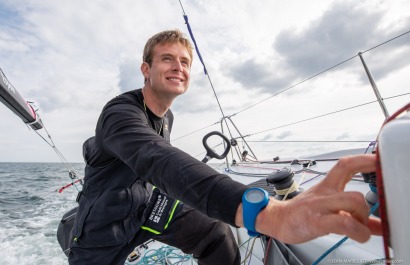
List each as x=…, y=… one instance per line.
x=170, y=69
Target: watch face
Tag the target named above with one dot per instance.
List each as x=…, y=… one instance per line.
x=255, y=196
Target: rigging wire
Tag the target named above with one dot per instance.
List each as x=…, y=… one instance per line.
x=323, y=115
x=72, y=173
x=205, y=70
x=200, y=57
x=378, y=45
x=322, y=72
x=203, y=128
x=292, y=86
x=315, y=117
x=249, y=253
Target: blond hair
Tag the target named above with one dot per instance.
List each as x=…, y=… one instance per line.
x=167, y=36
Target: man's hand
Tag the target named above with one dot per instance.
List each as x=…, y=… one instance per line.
x=323, y=209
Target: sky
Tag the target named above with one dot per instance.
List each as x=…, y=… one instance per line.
x=71, y=57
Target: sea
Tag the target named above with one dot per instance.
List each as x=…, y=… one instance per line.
x=30, y=210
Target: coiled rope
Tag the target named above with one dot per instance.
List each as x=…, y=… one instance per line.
x=163, y=255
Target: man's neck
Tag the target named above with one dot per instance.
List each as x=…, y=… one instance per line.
x=157, y=104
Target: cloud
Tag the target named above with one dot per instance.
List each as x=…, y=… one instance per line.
x=343, y=136
x=343, y=30
x=284, y=135
x=197, y=99
x=254, y=74
x=73, y=56
x=323, y=43
x=130, y=76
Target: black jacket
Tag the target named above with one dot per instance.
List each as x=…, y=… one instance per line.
x=126, y=152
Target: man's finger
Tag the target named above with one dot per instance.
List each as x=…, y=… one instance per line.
x=351, y=203
x=346, y=167
x=345, y=225
x=375, y=226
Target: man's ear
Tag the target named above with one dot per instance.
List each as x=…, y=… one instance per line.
x=145, y=70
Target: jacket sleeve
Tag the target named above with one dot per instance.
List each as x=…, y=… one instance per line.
x=123, y=131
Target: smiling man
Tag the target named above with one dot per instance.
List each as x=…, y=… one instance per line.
x=133, y=174
x=135, y=183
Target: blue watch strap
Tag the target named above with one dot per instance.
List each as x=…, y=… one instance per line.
x=253, y=201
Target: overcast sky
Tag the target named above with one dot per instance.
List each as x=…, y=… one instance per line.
x=71, y=57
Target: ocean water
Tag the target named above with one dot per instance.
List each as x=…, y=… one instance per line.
x=30, y=210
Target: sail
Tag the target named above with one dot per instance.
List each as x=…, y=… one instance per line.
x=16, y=103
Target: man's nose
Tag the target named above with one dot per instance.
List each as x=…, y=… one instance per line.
x=177, y=66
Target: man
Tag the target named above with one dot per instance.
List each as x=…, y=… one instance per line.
x=119, y=208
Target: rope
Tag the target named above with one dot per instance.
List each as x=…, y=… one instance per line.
x=163, y=255
x=372, y=210
x=373, y=188
x=294, y=186
x=286, y=192
x=372, y=143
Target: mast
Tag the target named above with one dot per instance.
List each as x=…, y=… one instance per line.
x=374, y=86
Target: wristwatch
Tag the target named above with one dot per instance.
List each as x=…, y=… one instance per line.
x=253, y=201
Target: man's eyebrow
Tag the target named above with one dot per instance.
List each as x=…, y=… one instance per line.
x=172, y=55
x=166, y=54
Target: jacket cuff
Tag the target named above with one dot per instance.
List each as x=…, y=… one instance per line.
x=224, y=200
